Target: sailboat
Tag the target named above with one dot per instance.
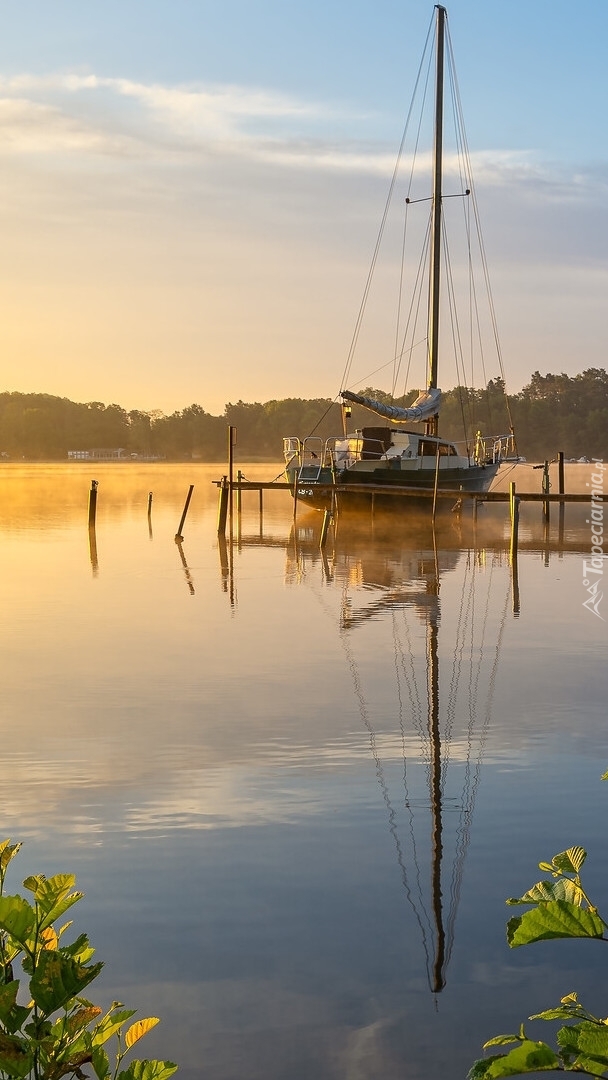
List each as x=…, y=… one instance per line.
x=397, y=456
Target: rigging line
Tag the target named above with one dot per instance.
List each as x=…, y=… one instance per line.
x=414, y=696
x=405, y=220
x=467, y=590
x=415, y=302
x=398, y=655
x=456, y=339
x=457, y=658
x=370, y=274
x=484, y=263
x=482, y=740
x=379, y=768
x=396, y=364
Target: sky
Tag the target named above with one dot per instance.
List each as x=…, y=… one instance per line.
x=190, y=191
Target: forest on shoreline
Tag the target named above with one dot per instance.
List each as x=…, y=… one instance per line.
x=551, y=413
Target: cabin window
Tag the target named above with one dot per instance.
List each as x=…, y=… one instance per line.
x=429, y=449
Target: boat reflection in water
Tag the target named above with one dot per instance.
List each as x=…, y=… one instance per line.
x=420, y=624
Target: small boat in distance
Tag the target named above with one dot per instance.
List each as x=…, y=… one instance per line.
x=412, y=457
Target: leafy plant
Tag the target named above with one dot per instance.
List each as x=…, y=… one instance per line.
x=53, y=1031
x=559, y=908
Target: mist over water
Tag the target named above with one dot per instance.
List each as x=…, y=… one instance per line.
x=297, y=786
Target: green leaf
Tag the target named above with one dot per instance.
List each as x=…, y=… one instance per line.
x=479, y=1069
x=148, y=1070
x=17, y=918
x=57, y=979
x=570, y=861
x=79, y=950
x=562, y=889
x=526, y=1058
x=561, y=1013
x=8, y=998
x=110, y=1024
x=16, y=1058
x=556, y=919
x=12, y=1016
x=585, y=1046
x=7, y=852
x=502, y=1040
x=53, y=895
x=100, y=1062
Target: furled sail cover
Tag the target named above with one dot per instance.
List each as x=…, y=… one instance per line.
x=425, y=406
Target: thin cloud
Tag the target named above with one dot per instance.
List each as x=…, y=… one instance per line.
x=88, y=115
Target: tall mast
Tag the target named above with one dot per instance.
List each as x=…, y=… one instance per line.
x=435, y=274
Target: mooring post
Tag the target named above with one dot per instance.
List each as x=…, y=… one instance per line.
x=149, y=504
x=511, y=499
x=546, y=487
x=178, y=535
x=295, y=495
x=239, y=477
x=562, y=505
x=231, y=442
x=222, y=510
x=93, y=503
x=475, y=505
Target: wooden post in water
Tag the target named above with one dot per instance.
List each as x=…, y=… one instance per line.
x=562, y=505
x=546, y=486
x=222, y=510
x=93, y=503
x=239, y=477
x=231, y=442
x=149, y=504
x=295, y=495
x=178, y=535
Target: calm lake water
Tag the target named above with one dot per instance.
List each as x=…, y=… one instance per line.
x=297, y=788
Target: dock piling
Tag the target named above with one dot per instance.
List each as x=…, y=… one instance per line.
x=93, y=503
x=178, y=535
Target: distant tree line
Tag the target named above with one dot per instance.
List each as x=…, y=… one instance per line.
x=553, y=412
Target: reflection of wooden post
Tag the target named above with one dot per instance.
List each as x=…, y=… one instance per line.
x=295, y=495
x=513, y=555
x=222, y=510
x=178, y=535
x=436, y=479
x=93, y=503
x=93, y=550
x=514, y=530
x=562, y=489
x=325, y=529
